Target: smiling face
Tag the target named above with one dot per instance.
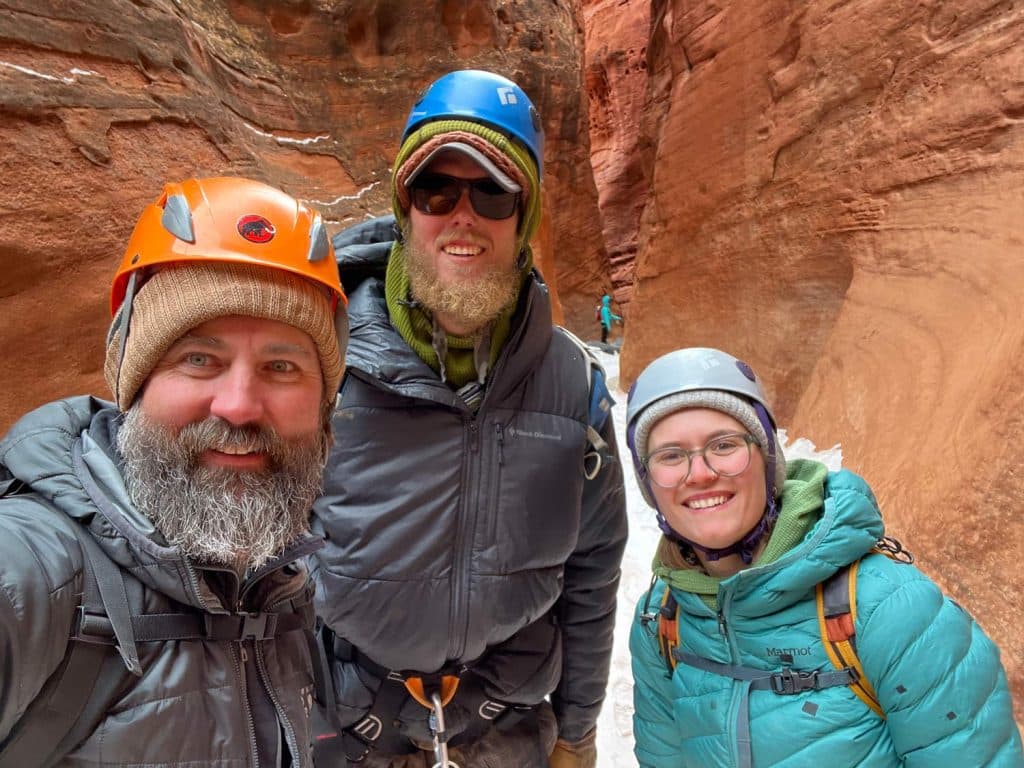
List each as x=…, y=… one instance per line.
x=708, y=509
x=223, y=450
x=244, y=371
x=461, y=265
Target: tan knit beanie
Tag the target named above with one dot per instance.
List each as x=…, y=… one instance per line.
x=182, y=296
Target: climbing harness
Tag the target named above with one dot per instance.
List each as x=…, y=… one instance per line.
x=378, y=730
x=440, y=735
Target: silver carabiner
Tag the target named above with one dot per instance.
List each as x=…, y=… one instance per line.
x=439, y=735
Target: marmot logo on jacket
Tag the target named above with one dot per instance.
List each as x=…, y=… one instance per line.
x=791, y=652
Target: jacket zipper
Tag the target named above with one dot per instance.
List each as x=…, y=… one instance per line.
x=262, y=671
x=193, y=582
x=733, y=728
x=289, y=730
x=459, y=615
x=724, y=599
x=250, y=724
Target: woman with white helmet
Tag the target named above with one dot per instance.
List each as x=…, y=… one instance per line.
x=732, y=664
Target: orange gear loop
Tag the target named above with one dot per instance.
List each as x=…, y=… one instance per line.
x=229, y=220
x=417, y=689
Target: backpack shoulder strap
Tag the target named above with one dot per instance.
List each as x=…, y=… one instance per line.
x=77, y=694
x=668, y=628
x=599, y=407
x=836, y=600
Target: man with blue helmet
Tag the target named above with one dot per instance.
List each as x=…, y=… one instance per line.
x=475, y=519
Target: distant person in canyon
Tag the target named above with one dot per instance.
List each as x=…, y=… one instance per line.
x=783, y=628
x=155, y=608
x=607, y=317
x=475, y=513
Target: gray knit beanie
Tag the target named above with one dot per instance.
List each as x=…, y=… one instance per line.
x=717, y=400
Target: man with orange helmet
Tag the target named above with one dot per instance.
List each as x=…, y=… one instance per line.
x=154, y=603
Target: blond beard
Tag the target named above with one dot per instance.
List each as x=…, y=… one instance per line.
x=472, y=302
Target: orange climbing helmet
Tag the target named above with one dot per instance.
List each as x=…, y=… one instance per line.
x=222, y=246
x=229, y=220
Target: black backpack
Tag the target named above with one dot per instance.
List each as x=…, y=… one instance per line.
x=102, y=658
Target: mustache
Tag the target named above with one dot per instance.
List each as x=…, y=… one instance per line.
x=462, y=236
x=217, y=435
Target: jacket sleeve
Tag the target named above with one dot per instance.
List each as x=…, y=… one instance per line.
x=937, y=675
x=656, y=738
x=586, y=610
x=37, y=598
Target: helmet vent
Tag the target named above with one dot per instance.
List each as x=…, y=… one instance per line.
x=177, y=218
x=319, y=247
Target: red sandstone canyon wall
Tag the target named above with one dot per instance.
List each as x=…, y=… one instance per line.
x=102, y=102
x=615, y=69
x=836, y=194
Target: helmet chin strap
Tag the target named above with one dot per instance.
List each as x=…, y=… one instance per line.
x=745, y=547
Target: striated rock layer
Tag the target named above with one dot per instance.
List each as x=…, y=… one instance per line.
x=101, y=103
x=836, y=197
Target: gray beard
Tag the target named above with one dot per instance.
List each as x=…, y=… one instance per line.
x=218, y=516
x=473, y=302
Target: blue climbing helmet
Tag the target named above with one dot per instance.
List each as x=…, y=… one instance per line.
x=483, y=97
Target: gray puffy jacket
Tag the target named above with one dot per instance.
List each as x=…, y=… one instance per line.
x=462, y=538
x=195, y=703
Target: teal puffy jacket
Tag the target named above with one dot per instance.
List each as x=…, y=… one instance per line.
x=937, y=675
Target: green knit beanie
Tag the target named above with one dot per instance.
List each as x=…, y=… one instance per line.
x=413, y=324
x=505, y=152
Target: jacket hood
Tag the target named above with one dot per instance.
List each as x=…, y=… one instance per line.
x=38, y=450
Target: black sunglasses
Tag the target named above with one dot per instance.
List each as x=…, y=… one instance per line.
x=436, y=194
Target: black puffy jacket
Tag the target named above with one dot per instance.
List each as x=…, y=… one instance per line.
x=462, y=537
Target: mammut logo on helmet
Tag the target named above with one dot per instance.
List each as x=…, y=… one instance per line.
x=507, y=96
x=256, y=228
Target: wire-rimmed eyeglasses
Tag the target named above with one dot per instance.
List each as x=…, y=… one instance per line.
x=725, y=455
